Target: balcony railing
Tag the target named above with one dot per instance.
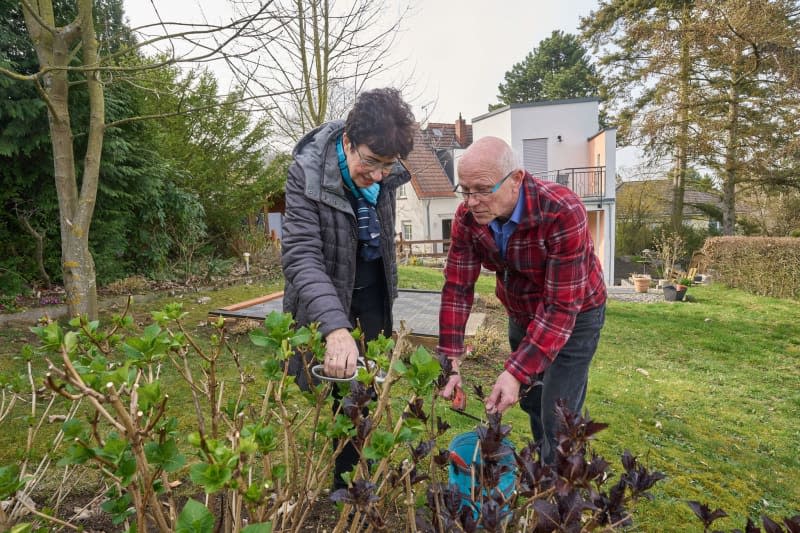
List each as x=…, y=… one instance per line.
x=587, y=182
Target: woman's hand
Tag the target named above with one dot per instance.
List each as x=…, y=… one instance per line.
x=341, y=354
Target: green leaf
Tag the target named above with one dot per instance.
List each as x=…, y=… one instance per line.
x=342, y=427
x=9, y=481
x=211, y=477
x=279, y=472
x=265, y=527
x=195, y=518
x=76, y=454
x=253, y=494
x=126, y=468
x=194, y=439
x=272, y=368
x=266, y=438
x=424, y=370
x=21, y=528
x=400, y=368
x=302, y=337
x=149, y=395
x=165, y=455
x=119, y=508
x=247, y=445
x=70, y=341
x=114, y=448
x=73, y=429
x=380, y=445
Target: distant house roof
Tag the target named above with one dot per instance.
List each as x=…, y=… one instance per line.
x=443, y=135
x=662, y=189
x=432, y=147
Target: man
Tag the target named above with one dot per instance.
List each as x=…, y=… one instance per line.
x=338, y=251
x=535, y=236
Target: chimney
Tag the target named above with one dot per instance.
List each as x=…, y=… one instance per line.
x=461, y=130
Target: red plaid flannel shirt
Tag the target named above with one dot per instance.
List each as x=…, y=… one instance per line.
x=549, y=275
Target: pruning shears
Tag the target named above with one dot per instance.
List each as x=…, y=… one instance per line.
x=459, y=404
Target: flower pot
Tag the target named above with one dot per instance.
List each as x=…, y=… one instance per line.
x=670, y=294
x=680, y=292
x=641, y=284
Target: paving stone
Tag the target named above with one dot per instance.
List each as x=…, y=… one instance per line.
x=418, y=309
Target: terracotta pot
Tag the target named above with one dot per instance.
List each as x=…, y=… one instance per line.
x=641, y=284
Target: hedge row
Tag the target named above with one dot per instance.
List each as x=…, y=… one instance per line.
x=767, y=266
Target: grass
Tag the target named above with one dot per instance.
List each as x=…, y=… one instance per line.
x=705, y=391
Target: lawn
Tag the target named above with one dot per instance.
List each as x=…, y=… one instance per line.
x=705, y=391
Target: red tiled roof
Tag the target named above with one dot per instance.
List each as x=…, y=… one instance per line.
x=428, y=177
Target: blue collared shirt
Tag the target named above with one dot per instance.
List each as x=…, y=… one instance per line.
x=502, y=231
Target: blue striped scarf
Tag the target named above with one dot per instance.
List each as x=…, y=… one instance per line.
x=369, y=227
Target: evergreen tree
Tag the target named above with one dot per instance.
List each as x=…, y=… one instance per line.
x=558, y=68
x=219, y=154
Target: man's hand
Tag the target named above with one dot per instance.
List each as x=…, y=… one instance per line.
x=504, y=394
x=341, y=354
x=452, y=382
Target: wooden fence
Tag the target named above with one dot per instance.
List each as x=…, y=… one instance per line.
x=425, y=248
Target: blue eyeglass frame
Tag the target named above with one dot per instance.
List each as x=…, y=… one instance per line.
x=494, y=189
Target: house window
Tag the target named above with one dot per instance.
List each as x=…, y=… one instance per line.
x=534, y=156
x=402, y=192
x=406, y=230
x=447, y=225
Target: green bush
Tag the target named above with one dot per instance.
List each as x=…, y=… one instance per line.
x=264, y=447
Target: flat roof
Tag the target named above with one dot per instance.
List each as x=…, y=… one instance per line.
x=536, y=104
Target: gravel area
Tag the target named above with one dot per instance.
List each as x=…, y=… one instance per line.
x=629, y=295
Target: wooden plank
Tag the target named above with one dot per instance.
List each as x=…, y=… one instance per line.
x=254, y=301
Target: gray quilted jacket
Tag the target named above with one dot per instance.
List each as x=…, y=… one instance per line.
x=320, y=235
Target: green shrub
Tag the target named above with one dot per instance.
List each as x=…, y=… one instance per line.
x=263, y=446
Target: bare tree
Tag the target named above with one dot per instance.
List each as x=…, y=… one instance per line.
x=70, y=54
x=322, y=57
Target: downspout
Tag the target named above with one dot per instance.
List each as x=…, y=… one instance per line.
x=427, y=219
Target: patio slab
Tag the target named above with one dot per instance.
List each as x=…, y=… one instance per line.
x=418, y=310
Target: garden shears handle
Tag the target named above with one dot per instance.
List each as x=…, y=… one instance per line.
x=459, y=401
x=459, y=404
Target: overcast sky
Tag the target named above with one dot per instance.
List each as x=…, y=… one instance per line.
x=459, y=50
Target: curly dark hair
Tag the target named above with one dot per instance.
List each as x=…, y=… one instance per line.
x=383, y=121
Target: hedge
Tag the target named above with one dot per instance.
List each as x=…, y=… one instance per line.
x=767, y=266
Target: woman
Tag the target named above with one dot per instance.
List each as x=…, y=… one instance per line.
x=338, y=235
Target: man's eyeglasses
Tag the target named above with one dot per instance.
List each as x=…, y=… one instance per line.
x=466, y=195
x=370, y=164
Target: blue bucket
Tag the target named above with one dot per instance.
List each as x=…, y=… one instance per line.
x=464, y=452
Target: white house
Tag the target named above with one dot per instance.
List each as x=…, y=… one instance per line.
x=426, y=205
x=558, y=140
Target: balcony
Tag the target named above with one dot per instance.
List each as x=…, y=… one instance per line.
x=587, y=182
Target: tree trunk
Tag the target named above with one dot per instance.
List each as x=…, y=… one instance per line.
x=729, y=182
x=53, y=47
x=682, y=148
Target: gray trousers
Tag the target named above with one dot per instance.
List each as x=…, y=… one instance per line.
x=565, y=379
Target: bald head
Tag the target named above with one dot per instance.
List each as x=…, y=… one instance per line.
x=488, y=154
x=490, y=178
